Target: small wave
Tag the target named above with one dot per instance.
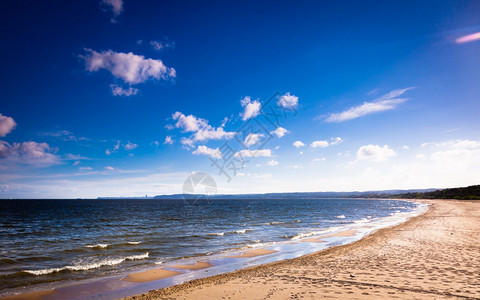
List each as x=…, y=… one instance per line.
x=304, y=235
x=340, y=217
x=100, y=246
x=134, y=243
x=361, y=221
x=217, y=233
x=241, y=231
x=159, y=262
x=107, y=262
x=273, y=223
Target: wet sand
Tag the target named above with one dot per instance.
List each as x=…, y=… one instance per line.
x=30, y=296
x=432, y=256
x=253, y=253
x=150, y=275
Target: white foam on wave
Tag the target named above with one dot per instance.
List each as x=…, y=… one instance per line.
x=241, y=231
x=340, y=217
x=274, y=223
x=106, y=262
x=134, y=243
x=304, y=235
x=102, y=246
x=217, y=233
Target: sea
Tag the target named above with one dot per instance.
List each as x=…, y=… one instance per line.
x=47, y=244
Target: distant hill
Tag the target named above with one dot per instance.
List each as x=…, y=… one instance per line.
x=300, y=195
x=464, y=193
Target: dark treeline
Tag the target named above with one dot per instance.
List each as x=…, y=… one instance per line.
x=464, y=193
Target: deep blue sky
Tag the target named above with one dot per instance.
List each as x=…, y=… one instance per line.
x=390, y=79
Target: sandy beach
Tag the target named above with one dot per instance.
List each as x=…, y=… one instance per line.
x=432, y=256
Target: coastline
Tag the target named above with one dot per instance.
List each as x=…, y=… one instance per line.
x=435, y=254
x=220, y=282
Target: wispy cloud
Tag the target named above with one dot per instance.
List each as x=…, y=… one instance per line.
x=168, y=140
x=32, y=153
x=386, y=102
x=116, y=6
x=130, y=146
x=468, y=38
x=272, y=163
x=160, y=45
x=120, y=91
x=254, y=153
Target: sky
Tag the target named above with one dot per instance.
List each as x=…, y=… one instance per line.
x=126, y=98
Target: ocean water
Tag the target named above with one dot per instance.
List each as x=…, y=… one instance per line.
x=46, y=243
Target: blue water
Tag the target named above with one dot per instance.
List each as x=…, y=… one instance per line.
x=54, y=241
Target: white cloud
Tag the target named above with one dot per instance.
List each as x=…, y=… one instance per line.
x=120, y=91
x=109, y=168
x=189, y=123
x=116, y=6
x=76, y=163
x=386, y=102
x=288, y=101
x=319, y=159
x=28, y=153
x=254, y=153
x=457, y=154
x=203, y=131
x=129, y=146
x=298, y=144
x=160, y=45
x=252, y=108
x=336, y=141
x=252, y=139
x=212, y=134
x=279, y=132
x=405, y=147
x=294, y=167
x=168, y=140
x=204, y=150
x=70, y=156
x=85, y=168
x=319, y=144
x=272, y=163
x=375, y=153
x=129, y=67
x=7, y=124
x=188, y=143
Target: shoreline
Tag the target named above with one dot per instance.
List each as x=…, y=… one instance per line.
x=152, y=275
x=434, y=254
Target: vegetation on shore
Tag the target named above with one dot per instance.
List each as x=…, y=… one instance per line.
x=464, y=193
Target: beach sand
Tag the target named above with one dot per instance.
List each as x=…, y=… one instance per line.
x=432, y=256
